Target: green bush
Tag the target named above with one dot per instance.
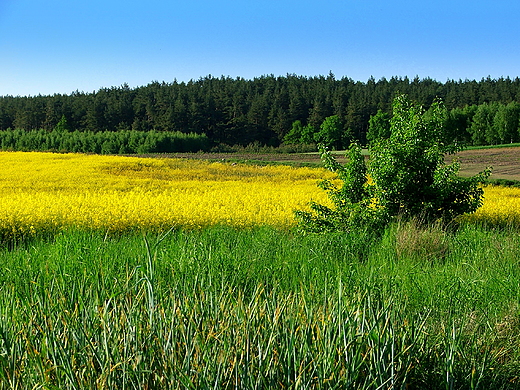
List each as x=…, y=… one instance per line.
x=409, y=178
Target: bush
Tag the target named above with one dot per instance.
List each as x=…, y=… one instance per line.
x=409, y=178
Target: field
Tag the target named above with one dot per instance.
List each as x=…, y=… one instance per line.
x=163, y=273
x=48, y=192
x=504, y=160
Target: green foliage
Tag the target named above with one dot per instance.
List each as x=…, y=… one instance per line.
x=352, y=202
x=456, y=125
x=239, y=112
x=408, y=173
x=506, y=123
x=408, y=170
x=330, y=133
x=482, y=129
x=105, y=142
x=300, y=134
x=378, y=127
x=307, y=136
x=63, y=125
x=295, y=134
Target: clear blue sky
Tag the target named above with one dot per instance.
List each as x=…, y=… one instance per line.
x=59, y=46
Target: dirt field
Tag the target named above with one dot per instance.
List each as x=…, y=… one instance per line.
x=504, y=161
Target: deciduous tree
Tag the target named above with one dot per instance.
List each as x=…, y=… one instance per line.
x=408, y=175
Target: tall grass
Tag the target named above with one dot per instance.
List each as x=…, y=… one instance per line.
x=261, y=308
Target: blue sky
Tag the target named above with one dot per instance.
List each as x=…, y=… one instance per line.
x=58, y=46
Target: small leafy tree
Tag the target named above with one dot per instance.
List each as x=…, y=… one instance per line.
x=300, y=134
x=378, y=127
x=331, y=132
x=408, y=177
x=295, y=134
x=307, y=136
x=352, y=201
x=506, y=122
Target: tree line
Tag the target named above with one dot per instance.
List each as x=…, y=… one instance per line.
x=485, y=124
x=269, y=110
x=103, y=142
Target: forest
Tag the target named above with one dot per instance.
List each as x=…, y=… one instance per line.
x=266, y=110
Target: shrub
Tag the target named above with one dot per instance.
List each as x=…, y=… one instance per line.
x=409, y=178
x=105, y=142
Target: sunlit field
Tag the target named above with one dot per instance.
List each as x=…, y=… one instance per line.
x=501, y=207
x=42, y=192
x=215, y=305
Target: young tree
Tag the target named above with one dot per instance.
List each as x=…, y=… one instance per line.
x=456, y=126
x=308, y=132
x=330, y=133
x=295, y=134
x=506, y=122
x=62, y=125
x=300, y=134
x=352, y=201
x=482, y=130
x=378, y=127
x=408, y=175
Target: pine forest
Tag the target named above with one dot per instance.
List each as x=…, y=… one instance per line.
x=212, y=112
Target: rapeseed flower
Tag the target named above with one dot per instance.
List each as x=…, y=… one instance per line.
x=501, y=207
x=49, y=192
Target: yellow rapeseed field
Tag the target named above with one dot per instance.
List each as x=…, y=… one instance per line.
x=45, y=191
x=48, y=192
x=501, y=207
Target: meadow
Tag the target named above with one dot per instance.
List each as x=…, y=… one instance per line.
x=122, y=272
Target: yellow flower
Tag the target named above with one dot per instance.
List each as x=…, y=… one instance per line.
x=501, y=207
x=45, y=191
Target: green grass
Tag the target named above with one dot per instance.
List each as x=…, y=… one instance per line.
x=262, y=308
x=512, y=145
x=503, y=182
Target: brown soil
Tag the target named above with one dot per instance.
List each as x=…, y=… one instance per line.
x=282, y=158
x=504, y=161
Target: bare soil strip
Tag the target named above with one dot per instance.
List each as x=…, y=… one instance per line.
x=504, y=161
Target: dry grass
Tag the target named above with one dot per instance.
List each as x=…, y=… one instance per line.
x=415, y=240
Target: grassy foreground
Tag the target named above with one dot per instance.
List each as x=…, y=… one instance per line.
x=262, y=308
